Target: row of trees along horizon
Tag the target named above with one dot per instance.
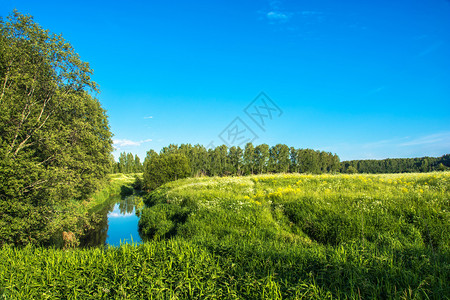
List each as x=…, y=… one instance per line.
x=222, y=161
x=174, y=162
x=128, y=163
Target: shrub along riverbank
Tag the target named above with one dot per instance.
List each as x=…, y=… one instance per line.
x=80, y=217
x=266, y=236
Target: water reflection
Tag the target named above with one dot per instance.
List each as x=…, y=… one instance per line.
x=115, y=222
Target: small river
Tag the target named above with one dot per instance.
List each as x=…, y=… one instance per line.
x=117, y=222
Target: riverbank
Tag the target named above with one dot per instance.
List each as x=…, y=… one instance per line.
x=78, y=218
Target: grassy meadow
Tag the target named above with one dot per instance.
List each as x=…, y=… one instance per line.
x=283, y=236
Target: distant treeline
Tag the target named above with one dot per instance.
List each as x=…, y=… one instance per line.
x=128, y=163
x=222, y=161
x=186, y=160
x=397, y=165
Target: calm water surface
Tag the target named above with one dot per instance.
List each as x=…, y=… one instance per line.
x=117, y=222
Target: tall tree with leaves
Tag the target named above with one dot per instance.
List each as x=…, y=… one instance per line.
x=279, y=158
x=249, y=159
x=137, y=164
x=130, y=163
x=199, y=160
x=164, y=168
x=261, y=158
x=235, y=160
x=122, y=164
x=55, y=141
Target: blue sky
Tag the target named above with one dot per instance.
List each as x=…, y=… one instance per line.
x=363, y=79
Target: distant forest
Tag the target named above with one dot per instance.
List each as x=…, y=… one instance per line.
x=128, y=163
x=222, y=161
x=397, y=165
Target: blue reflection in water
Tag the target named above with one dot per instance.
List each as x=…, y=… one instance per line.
x=114, y=222
x=123, y=224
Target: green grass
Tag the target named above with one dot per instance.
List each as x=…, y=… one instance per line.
x=286, y=236
x=369, y=236
x=114, y=186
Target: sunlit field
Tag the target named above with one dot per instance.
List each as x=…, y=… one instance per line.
x=284, y=236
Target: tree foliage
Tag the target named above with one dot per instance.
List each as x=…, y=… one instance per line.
x=127, y=164
x=397, y=165
x=224, y=161
x=164, y=168
x=55, y=141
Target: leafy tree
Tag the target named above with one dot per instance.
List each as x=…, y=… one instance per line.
x=150, y=155
x=218, y=161
x=261, y=158
x=55, y=141
x=335, y=163
x=129, y=163
x=235, y=160
x=164, y=168
x=172, y=148
x=397, y=165
x=249, y=158
x=197, y=156
x=352, y=170
x=137, y=164
x=112, y=164
x=130, y=167
x=199, y=160
x=138, y=183
x=279, y=158
x=122, y=165
x=294, y=166
x=222, y=161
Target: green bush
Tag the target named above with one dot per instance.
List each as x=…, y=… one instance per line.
x=164, y=168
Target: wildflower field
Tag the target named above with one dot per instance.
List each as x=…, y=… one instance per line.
x=284, y=236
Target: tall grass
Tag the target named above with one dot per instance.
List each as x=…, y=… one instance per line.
x=165, y=270
x=262, y=237
x=368, y=236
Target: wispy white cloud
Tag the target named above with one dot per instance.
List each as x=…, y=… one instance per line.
x=126, y=142
x=276, y=13
x=119, y=215
x=442, y=138
x=149, y=117
x=278, y=16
